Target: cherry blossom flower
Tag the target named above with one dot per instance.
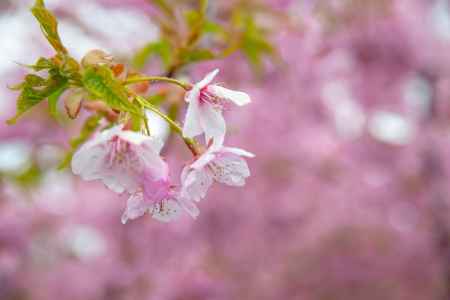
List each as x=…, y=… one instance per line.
x=123, y=160
x=218, y=163
x=164, y=209
x=206, y=102
x=128, y=161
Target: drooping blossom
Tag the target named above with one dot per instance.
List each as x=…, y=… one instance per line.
x=164, y=209
x=206, y=102
x=218, y=163
x=123, y=160
x=127, y=161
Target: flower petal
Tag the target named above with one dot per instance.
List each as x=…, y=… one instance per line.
x=88, y=161
x=203, y=160
x=195, y=184
x=230, y=169
x=166, y=211
x=136, y=207
x=207, y=80
x=212, y=122
x=153, y=166
x=189, y=206
x=237, y=97
x=192, y=126
x=237, y=151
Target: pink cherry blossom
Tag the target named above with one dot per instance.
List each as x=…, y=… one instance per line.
x=218, y=163
x=123, y=160
x=206, y=102
x=129, y=161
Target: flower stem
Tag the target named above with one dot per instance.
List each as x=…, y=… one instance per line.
x=186, y=86
x=191, y=143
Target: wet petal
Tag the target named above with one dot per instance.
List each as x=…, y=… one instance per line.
x=237, y=97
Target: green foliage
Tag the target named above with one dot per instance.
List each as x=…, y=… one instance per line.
x=254, y=44
x=53, y=100
x=42, y=64
x=35, y=89
x=89, y=127
x=196, y=55
x=100, y=82
x=49, y=25
x=165, y=7
x=161, y=49
x=30, y=177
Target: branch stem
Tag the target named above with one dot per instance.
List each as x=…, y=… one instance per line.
x=190, y=143
x=184, y=85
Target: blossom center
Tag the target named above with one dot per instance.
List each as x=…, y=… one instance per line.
x=208, y=97
x=121, y=153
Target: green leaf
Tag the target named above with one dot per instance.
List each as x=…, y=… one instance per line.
x=255, y=45
x=161, y=48
x=192, y=18
x=100, y=82
x=42, y=64
x=49, y=25
x=53, y=100
x=197, y=55
x=34, y=90
x=89, y=127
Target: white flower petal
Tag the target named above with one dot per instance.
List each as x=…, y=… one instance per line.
x=212, y=122
x=196, y=184
x=132, y=137
x=207, y=80
x=155, y=167
x=237, y=151
x=136, y=207
x=154, y=143
x=203, y=160
x=237, y=97
x=166, y=211
x=119, y=181
x=230, y=169
x=88, y=161
x=189, y=207
x=192, y=126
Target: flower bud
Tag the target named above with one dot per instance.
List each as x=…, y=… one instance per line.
x=97, y=58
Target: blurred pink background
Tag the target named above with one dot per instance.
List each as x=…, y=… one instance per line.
x=349, y=197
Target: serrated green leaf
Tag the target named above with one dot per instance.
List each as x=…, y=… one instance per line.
x=161, y=48
x=34, y=90
x=89, y=127
x=100, y=82
x=49, y=25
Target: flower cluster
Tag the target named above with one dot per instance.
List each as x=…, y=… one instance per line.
x=129, y=161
